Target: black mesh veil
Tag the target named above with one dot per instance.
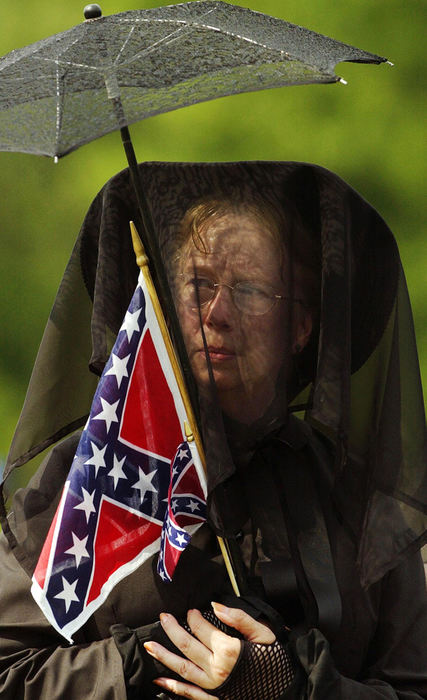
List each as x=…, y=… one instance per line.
x=356, y=373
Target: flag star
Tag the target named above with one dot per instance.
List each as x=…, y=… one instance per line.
x=97, y=460
x=163, y=575
x=117, y=471
x=108, y=413
x=78, y=549
x=87, y=503
x=193, y=506
x=181, y=538
x=174, y=505
x=118, y=368
x=144, y=483
x=182, y=453
x=68, y=594
x=130, y=323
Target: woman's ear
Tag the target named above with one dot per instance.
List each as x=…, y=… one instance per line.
x=302, y=331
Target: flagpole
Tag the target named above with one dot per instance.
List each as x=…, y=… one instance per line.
x=191, y=429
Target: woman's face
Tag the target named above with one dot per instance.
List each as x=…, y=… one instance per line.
x=246, y=352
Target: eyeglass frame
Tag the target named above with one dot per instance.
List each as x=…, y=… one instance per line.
x=216, y=285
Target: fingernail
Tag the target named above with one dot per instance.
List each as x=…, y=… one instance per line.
x=164, y=617
x=149, y=646
x=221, y=609
x=219, y=606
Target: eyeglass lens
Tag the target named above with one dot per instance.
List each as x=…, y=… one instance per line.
x=247, y=297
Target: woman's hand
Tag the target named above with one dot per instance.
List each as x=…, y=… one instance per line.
x=210, y=655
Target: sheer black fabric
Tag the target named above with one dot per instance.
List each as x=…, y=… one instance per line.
x=357, y=376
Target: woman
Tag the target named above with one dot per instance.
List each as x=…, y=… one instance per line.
x=291, y=299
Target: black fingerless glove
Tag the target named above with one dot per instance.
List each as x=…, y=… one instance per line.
x=262, y=672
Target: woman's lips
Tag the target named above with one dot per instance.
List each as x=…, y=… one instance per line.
x=219, y=353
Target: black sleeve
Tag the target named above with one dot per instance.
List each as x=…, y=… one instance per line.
x=35, y=661
x=396, y=668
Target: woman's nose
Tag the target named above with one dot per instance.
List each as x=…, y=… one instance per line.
x=221, y=311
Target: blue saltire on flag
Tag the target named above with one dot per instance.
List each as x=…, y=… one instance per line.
x=135, y=485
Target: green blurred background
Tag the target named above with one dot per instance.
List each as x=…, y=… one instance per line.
x=371, y=132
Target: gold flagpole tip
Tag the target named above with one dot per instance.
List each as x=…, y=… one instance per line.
x=141, y=257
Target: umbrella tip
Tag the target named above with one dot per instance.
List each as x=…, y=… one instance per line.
x=92, y=11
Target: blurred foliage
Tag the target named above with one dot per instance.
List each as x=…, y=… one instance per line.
x=371, y=132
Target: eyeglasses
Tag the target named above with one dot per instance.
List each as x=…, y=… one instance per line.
x=251, y=298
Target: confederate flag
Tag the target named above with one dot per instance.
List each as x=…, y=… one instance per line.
x=135, y=487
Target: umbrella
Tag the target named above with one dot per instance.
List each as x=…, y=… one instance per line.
x=108, y=72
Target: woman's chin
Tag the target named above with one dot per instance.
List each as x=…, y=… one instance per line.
x=239, y=398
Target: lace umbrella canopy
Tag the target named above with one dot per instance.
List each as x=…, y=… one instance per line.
x=108, y=72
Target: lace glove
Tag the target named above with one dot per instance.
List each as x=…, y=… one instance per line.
x=262, y=672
